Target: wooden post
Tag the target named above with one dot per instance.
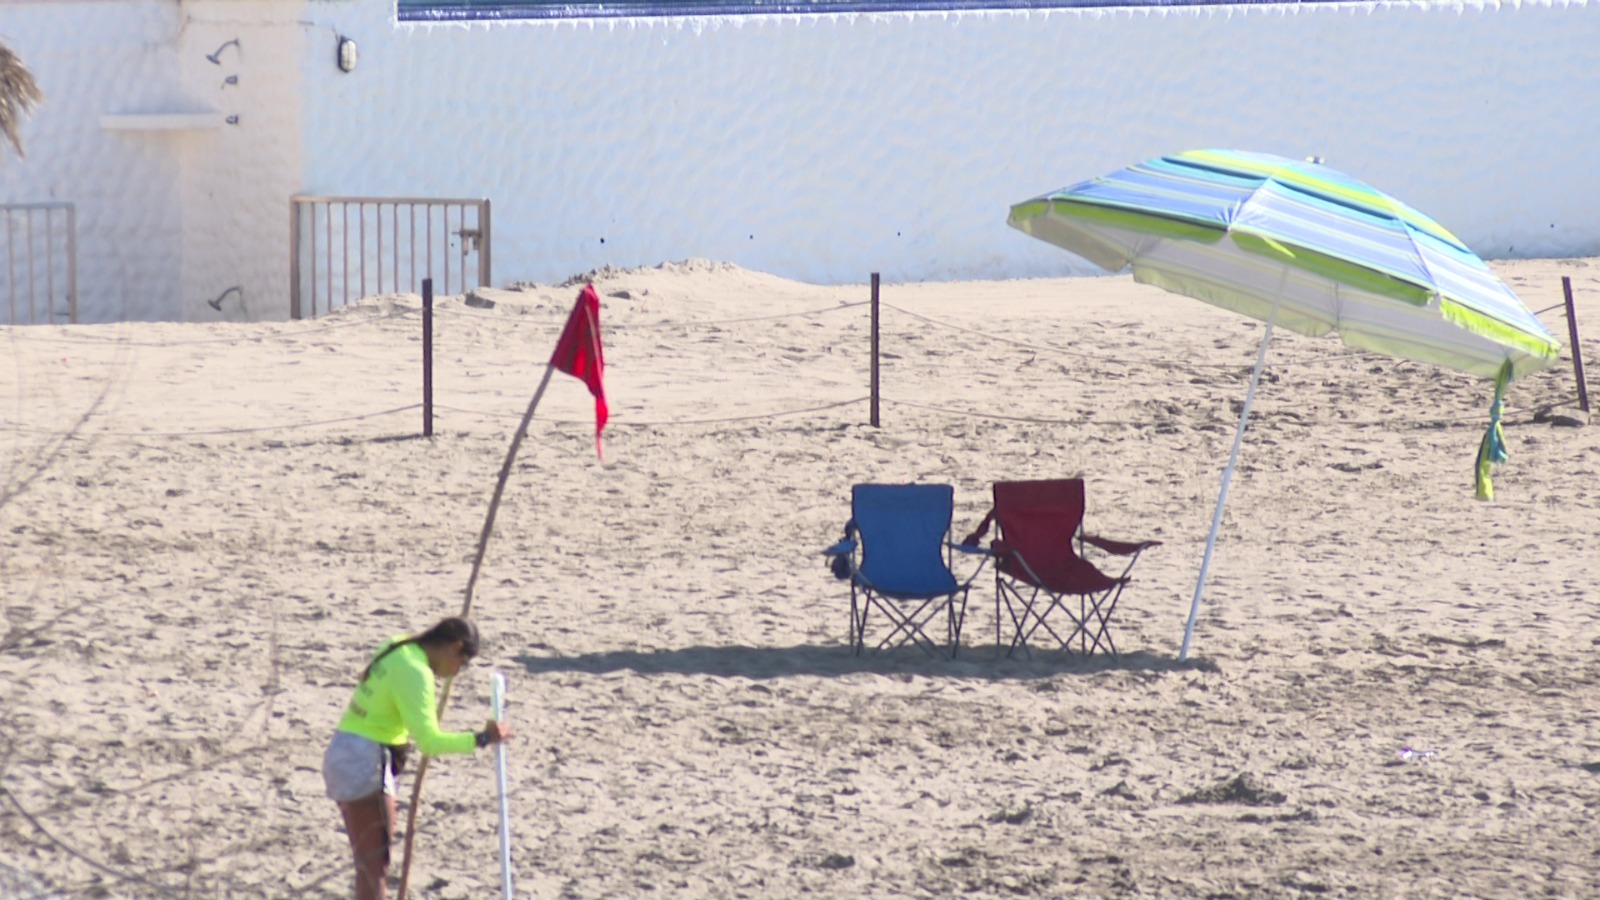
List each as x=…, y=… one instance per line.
x=485, y=244
x=874, y=391
x=294, y=259
x=1577, y=351
x=427, y=357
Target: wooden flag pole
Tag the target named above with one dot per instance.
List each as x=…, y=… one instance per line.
x=500, y=489
x=574, y=357
x=466, y=610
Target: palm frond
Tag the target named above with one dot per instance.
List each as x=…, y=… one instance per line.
x=19, y=94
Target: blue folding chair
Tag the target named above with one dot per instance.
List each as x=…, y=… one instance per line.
x=896, y=554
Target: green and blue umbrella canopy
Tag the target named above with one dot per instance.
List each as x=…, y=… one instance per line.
x=1251, y=231
x=1299, y=245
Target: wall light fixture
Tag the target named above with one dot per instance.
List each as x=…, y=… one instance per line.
x=347, y=54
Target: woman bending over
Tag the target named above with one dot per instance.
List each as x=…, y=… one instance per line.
x=393, y=703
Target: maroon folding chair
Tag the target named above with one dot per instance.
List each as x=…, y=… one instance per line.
x=1039, y=565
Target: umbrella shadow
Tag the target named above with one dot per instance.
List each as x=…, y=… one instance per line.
x=833, y=660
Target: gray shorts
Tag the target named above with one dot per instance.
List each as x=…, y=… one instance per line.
x=355, y=767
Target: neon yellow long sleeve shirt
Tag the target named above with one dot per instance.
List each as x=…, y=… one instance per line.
x=397, y=701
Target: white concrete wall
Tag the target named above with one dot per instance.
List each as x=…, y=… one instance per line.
x=167, y=219
x=236, y=181
x=816, y=147
x=89, y=59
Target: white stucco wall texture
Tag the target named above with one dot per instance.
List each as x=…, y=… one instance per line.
x=818, y=147
x=167, y=217
x=120, y=188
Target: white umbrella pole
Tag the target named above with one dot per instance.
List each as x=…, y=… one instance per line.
x=1227, y=475
x=499, y=690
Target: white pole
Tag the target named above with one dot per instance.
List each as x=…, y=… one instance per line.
x=1227, y=473
x=498, y=682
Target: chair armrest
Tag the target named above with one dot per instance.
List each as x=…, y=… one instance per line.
x=999, y=548
x=978, y=533
x=845, y=546
x=1118, y=548
x=972, y=550
x=1005, y=554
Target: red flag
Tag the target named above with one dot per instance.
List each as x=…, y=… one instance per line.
x=578, y=353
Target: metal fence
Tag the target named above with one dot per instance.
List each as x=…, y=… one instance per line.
x=345, y=248
x=39, y=284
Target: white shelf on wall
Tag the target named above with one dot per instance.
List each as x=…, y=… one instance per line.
x=168, y=121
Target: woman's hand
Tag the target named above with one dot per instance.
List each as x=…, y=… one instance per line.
x=497, y=731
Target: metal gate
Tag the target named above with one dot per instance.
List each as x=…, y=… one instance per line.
x=345, y=248
x=39, y=284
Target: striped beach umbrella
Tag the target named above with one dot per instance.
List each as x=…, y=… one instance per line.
x=1302, y=246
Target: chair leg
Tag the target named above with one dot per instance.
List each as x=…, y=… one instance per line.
x=952, y=628
x=1040, y=619
x=1034, y=620
x=1042, y=622
x=1091, y=625
x=1026, y=631
x=957, y=618
x=1111, y=646
x=858, y=621
x=997, y=590
x=853, y=622
x=1019, y=637
x=1104, y=631
x=907, y=628
x=909, y=625
x=917, y=630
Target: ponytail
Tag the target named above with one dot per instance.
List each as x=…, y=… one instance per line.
x=447, y=630
x=367, y=672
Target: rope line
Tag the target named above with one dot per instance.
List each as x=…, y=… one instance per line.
x=752, y=417
x=645, y=326
x=196, y=433
x=978, y=415
x=795, y=315
x=280, y=335
x=1166, y=364
x=400, y=311
x=1415, y=423
x=665, y=422
x=1048, y=348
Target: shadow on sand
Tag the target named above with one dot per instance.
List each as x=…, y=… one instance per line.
x=834, y=660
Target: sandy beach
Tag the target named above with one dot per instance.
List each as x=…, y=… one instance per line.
x=207, y=529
